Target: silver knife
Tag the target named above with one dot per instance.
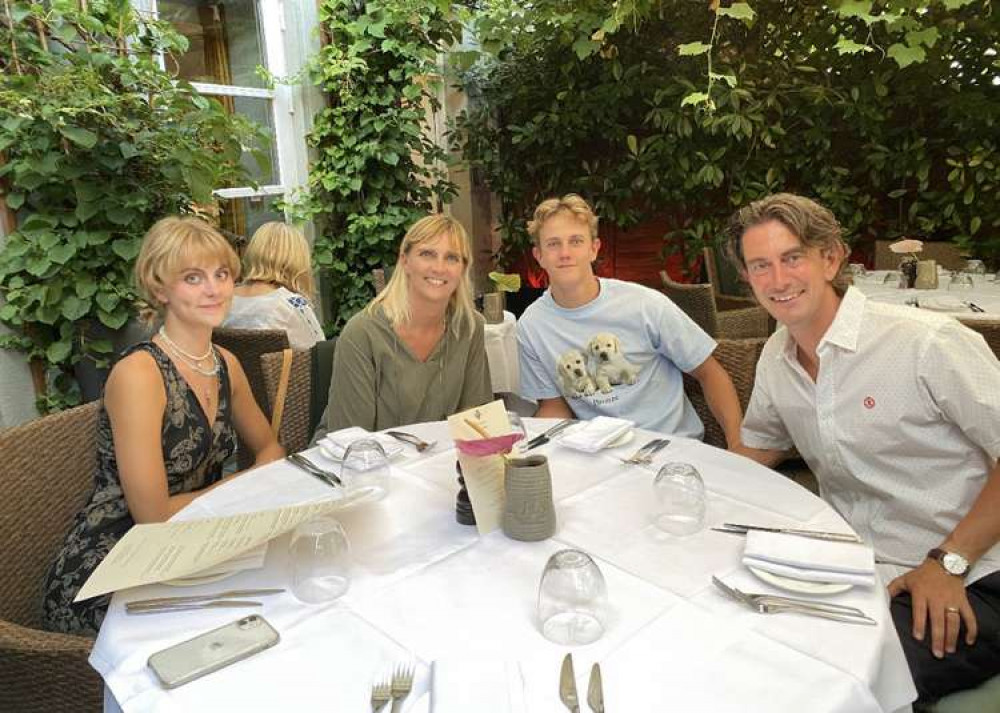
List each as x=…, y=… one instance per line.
x=547, y=436
x=814, y=534
x=595, y=691
x=567, y=685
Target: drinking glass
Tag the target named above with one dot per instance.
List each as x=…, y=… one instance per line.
x=892, y=277
x=365, y=468
x=960, y=281
x=572, y=599
x=321, y=561
x=858, y=270
x=976, y=267
x=680, y=499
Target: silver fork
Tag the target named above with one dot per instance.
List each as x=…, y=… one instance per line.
x=644, y=456
x=381, y=694
x=773, y=604
x=402, y=682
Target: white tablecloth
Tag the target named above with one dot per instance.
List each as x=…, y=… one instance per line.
x=426, y=588
x=984, y=293
x=501, y=352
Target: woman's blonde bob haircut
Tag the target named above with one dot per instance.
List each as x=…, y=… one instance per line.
x=278, y=253
x=394, y=299
x=570, y=203
x=173, y=244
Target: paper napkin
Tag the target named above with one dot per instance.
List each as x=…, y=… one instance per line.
x=595, y=434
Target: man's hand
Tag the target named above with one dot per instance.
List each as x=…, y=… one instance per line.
x=939, y=597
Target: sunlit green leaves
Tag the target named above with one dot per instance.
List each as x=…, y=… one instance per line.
x=905, y=56
x=737, y=11
x=693, y=48
x=846, y=46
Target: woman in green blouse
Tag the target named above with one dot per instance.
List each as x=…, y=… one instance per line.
x=417, y=351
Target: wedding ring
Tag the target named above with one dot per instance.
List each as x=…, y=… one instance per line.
x=951, y=610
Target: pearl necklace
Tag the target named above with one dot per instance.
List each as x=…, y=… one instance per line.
x=190, y=359
x=177, y=350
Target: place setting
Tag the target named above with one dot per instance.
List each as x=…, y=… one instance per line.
x=809, y=563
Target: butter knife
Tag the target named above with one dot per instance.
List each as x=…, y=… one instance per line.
x=567, y=685
x=814, y=534
x=547, y=436
x=595, y=691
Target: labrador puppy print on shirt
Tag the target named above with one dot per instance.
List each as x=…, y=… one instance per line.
x=574, y=378
x=612, y=366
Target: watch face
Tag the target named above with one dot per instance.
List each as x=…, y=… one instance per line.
x=955, y=564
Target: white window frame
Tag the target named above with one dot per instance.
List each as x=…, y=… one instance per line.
x=289, y=127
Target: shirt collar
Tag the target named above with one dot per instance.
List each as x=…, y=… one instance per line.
x=842, y=332
x=846, y=326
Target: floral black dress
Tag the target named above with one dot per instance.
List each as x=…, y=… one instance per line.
x=193, y=454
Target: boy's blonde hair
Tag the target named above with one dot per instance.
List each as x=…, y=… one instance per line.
x=394, y=299
x=172, y=244
x=279, y=253
x=570, y=203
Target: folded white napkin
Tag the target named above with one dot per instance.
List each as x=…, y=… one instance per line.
x=335, y=444
x=461, y=685
x=943, y=304
x=595, y=434
x=810, y=560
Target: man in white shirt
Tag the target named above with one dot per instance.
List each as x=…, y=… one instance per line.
x=591, y=347
x=897, y=412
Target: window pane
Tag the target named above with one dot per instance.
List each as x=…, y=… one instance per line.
x=240, y=217
x=225, y=40
x=258, y=111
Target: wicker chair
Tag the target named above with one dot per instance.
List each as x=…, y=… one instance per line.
x=989, y=328
x=698, y=302
x=945, y=254
x=306, y=397
x=723, y=301
x=247, y=345
x=47, y=475
x=739, y=358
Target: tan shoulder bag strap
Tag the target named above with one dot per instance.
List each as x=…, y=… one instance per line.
x=279, y=400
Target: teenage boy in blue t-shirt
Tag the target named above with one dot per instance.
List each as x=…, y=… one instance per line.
x=602, y=347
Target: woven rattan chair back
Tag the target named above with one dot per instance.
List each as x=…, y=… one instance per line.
x=989, y=328
x=945, y=254
x=247, y=345
x=739, y=358
x=295, y=431
x=46, y=472
x=696, y=301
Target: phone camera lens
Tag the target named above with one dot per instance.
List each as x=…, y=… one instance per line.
x=249, y=622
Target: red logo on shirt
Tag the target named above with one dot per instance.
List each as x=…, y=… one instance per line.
x=869, y=402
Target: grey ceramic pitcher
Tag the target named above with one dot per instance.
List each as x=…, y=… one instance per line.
x=528, y=513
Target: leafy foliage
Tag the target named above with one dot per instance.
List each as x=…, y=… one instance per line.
x=887, y=112
x=376, y=169
x=97, y=143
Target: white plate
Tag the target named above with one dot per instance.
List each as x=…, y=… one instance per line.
x=800, y=586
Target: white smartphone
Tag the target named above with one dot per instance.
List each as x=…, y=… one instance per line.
x=191, y=659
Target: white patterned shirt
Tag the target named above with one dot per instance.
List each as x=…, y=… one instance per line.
x=278, y=309
x=901, y=427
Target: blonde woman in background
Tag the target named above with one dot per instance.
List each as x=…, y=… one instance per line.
x=417, y=352
x=170, y=413
x=278, y=288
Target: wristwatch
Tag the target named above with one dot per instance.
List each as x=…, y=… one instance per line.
x=952, y=562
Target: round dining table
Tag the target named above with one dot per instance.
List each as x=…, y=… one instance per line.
x=429, y=592
x=984, y=293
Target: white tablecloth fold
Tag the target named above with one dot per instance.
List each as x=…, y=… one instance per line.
x=462, y=685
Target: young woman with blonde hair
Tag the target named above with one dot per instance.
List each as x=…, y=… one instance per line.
x=417, y=352
x=278, y=288
x=170, y=413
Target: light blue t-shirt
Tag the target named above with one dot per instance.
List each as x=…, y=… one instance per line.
x=620, y=355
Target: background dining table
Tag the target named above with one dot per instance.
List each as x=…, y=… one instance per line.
x=984, y=293
x=427, y=589
x=501, y=354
